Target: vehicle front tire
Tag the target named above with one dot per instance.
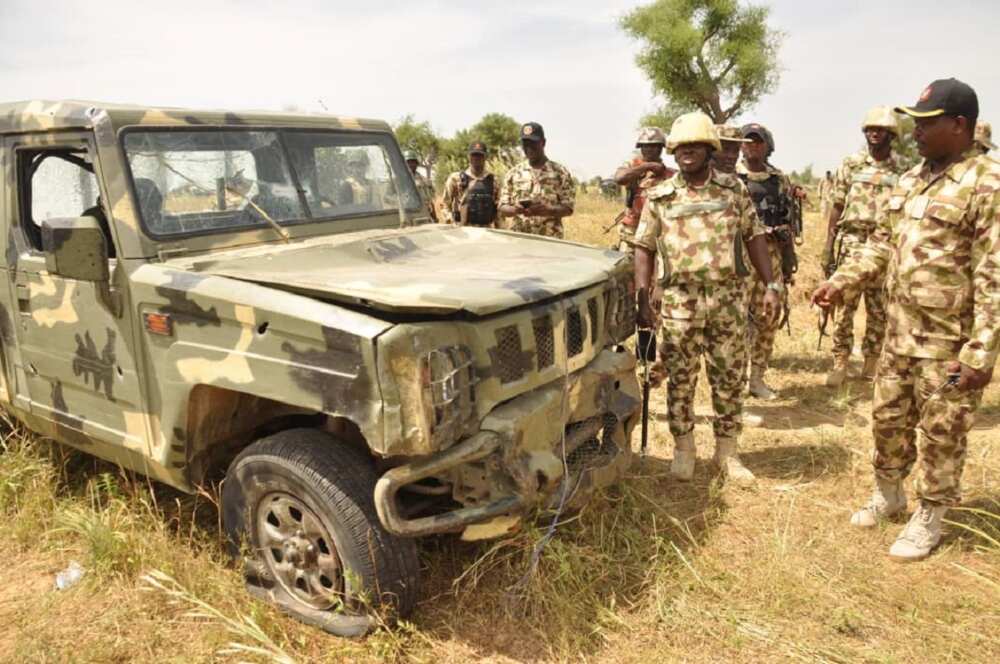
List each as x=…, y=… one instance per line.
x=298, y=510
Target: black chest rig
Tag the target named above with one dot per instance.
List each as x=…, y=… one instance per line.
x=772, y=207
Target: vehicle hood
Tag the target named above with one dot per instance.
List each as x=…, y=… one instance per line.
x=426, y=269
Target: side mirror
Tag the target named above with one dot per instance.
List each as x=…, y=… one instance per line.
x=75, y=248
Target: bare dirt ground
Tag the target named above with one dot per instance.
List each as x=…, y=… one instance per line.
x=654, y=570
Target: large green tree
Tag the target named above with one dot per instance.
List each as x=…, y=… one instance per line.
x=420, y=137
x=717, y=56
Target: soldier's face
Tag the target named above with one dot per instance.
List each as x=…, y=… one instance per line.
x=692, y=158
x=726, y=158
x=651, y=151
x=412, y=163
x=756, y=150
x=477, y=161
x=939, y=136
x=878, y=136
x=533, y=150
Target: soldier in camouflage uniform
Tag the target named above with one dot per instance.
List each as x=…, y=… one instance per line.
x=939, y=246
x=458, y=184
x=424, y=186
x=537, y=193
x=772, y=193
x=639, y=174
x=859, y=195
x=698, y=222
x=732, y=140
x=356, y=188
x=984, y=137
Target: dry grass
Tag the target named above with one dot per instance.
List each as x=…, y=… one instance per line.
x=655, y=570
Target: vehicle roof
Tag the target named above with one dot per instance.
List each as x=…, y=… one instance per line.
x=39, y=115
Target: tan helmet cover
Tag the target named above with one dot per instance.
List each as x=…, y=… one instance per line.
x=650, y=136
x=693, y=128
x=882, y=116
x=984, y=136
x=730, y=133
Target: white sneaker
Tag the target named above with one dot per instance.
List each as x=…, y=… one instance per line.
x=921, y=534
x=758, y=388
x=728, y=461
x=685, y=453
x=888, y=500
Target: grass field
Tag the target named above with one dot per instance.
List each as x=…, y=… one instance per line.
x=653, y=570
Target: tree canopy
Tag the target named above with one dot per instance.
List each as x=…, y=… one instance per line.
x=418, y=136
x=717, y=56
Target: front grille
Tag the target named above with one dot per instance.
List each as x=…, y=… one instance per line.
x=544, y=342
x=598, y=447
x=574, y=332
x=509, y=361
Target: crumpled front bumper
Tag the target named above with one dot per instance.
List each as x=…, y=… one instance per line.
x=520, y=457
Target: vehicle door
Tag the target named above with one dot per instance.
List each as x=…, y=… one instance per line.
x=76, y=363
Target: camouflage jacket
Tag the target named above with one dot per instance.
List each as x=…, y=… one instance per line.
x=636, y=192
x=939, y=245
x=694, y=229
x=453, y=195
x=551, y=184
x=862, y=186
x=425, y=189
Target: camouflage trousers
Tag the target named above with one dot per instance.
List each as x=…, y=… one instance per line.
x=626, y=236
x=704, y=320
x=536, y=226
x=761, y=334
x=912, y=416
x=875, y=321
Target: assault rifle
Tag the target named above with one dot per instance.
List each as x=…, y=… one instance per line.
x=830, y=266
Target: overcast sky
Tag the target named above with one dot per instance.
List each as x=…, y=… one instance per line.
x=565, y=64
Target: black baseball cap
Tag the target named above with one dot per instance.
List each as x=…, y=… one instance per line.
x=945, y=96
x=532, y=131
x=477, y=147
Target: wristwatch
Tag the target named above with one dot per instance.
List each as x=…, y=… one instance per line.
x=776, y=286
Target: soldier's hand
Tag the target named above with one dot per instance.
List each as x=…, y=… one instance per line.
x=772, y=307
x=969, y=378
x=656, y=168
x=536, y=210
x=827, y=295
x=656, y=299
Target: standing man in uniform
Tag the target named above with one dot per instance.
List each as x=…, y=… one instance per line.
x=424, y=186
x=694, y=221
x=823, y=193
x=471, y=197
x=732, y=140
x=939, y=246
x=859, y=196
x=537, y=193
x=638, y=175
x=772, y=193
x=984, y=137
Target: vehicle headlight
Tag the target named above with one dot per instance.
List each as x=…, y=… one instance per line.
x=621, y=308
x=447, y=382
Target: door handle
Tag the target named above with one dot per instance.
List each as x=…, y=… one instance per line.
x=23, y=297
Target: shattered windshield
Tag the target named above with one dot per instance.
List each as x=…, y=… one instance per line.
x=205, y=181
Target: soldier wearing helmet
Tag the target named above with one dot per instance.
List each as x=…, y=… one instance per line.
x=424, y=186
x=772, y=193
x=858, y=197
x=731, y=140
x=640, y=173
x=692, y=222
x=984, y=137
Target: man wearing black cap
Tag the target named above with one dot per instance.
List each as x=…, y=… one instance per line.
x=772, y=193
x=538, y=192
x=938, y=244
x=471, y=196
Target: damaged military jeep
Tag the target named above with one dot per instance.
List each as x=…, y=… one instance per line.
x=260, y=297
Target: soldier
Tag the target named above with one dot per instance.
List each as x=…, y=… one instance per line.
x=939, y=246
x=695, y=221
x=638, y=175
x=356, y=188
x=732, y=140
x=823, y=194
x=984, y=137
x=772, y=194
x=537, y=193
x=471, y=197
x=859, y=195
x=424, y=186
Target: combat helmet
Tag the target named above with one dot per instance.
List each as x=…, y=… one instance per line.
x=882, y=116
x=730, y=133
x=984, y=136
x=759, y=130
x=410, y=155
x=693, y=127
x=650, y=136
